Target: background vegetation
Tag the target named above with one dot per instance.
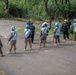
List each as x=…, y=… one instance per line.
x=39, y=9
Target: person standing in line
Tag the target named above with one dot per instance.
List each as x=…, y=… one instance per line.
x=57, y=34
x=12, y=39
x=47, y=28
x=43, y=35
x=64, y=29
x=74, y=30
x=32, y=27
x=27, y=33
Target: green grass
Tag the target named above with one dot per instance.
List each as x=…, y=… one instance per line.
x=38, y=29
x=20, y=31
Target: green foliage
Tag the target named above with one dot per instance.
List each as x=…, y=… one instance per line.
x=35, y=9
x=2, y=12
x=20, y=31
x=30, y=9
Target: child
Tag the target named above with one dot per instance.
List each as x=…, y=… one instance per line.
x=1, y=48
x=43, y=35
x=57, y=34
x=12, y=39
x=27, y=33
x=47, y=28
x=74, y=29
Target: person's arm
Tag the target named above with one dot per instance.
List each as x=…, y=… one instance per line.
x=10, y=37
x=34, y=30
x=61, y=28
x=55, y=30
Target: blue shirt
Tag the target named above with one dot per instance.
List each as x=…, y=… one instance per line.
x=14, y=34
x=57, y=31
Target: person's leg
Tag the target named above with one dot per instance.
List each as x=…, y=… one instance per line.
x=44, y=41
x=67, y=34
x=1, y=52
x=75, y=36
x=11, y=46
x=64, y=35
x=14, y=46
x=55, y=40
x=32, y=38
x=41, y=40
x=58, y=39
x=30, y=43
x=26, y=40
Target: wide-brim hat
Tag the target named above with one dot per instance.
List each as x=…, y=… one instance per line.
x=65, y=20
x=45, y=22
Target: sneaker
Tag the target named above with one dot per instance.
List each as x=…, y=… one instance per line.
x=44, y=46
x=58, y=43
x=64, y=39
x=55, y=44
x=2, y=55
x=24, y=49
x=8, y=52
x=39, y=46
x=74, y=41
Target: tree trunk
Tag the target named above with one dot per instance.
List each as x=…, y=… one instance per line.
x=6, y=8
x=47, y=12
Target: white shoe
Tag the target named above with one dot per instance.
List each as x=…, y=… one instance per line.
x=55, y=44
x=8, y=52
x=74, y=41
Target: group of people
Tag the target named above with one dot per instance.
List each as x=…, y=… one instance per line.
x=29, y=33
x=65, y=29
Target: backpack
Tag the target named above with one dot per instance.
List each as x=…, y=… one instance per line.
x=27, y=33
x=64, y=27
x=15, y=34
x=57, y=32
x=44, y=31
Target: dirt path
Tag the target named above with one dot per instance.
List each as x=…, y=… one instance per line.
x=52, y=60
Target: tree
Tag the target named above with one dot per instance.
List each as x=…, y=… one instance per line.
x=64, y=7
x=6, y=8
x=47, y=11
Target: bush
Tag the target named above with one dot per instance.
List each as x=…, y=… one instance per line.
x=14, y=11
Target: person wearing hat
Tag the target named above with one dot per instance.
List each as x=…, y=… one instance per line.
x=12, y=39
x=27, y=33
x=64, y=29
x=74, y=30
x=57, y=34
x=47, y=28
x=43, y=34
